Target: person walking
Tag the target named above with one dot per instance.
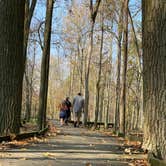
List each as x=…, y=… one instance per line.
x=78, y=105
x=68, y=112
x=62, y=114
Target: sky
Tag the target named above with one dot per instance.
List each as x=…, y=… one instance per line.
x=60, y=10
x=57, y=21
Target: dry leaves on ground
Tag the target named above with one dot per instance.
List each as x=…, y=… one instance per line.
x=13, y=144
x=22, y=143
x=28, y=127
x=49, y=155
x=141, y=162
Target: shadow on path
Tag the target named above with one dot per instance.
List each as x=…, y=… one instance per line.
x=72, y=146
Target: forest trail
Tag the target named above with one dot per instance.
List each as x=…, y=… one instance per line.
x=70, y=147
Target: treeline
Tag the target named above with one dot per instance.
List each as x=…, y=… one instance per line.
x=103, y=59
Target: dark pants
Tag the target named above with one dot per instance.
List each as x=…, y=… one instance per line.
x=68, y=113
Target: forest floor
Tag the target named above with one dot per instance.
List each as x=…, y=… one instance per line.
x=69, y=146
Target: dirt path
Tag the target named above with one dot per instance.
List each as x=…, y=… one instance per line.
x=71, y=147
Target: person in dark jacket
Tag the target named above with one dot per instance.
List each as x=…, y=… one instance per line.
x=68, y=112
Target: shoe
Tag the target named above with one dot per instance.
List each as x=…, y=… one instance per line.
x=75, y=124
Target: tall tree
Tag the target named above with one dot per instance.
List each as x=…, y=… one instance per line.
x=93, y=13
x=98, y=86
x=119, y=48
x=29, y=10
x=45, y=66
x=11, y=64
x=154, y=76
x=29, y=79
x=139, y=87
x=125, y=44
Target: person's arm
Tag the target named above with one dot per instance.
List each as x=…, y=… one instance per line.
x=74, y=101
x=82, y=105
x=65, y=107
x=72, y=104
x=69, y=104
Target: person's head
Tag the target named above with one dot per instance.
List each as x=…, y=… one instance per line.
x=67, y=98
x=63, y=103
x=79, y=94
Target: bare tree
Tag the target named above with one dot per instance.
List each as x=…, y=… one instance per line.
x=29, y=10
x=98, y=86
x=123, y=110
x=139, y=88
x=93, y=14
x=45, y=66
x=118, y=85
x=29, y=79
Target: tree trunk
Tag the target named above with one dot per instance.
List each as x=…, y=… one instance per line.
x=80, y=52
x=154, y=76
x=139, y=78
x=93, y=14
x=123, y=110
x=81, y=70
x=11, y=63
x=29, y=74
x=45, y=66
x=87, y=76
x=98, y=86
x=117, y=106
x=27, y=102
x=101, y=103
x=108, y=101
x=29, y=10
x=106, y=115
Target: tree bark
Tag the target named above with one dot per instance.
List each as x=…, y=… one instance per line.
x=45, y=66
x=108, y=95
x=11, y=64
x=101, y=104
x=123, y=110
x=29, y=75
x=29, y=10
x=154, y=76
x=118, y=88
x=98, y=86
x=27, y=102
x=81, y=70
x=93, y=14
x=139, y=85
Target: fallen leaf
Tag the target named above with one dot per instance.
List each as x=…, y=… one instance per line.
x=23, y=149
x=46, y=154
x=50, y=155
x=88, y=164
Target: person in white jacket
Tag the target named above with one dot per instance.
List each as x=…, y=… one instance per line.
x=78, y=107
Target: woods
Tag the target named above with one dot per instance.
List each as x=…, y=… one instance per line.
x=112, y=51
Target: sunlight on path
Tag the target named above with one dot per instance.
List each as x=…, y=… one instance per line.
x=71, y=147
